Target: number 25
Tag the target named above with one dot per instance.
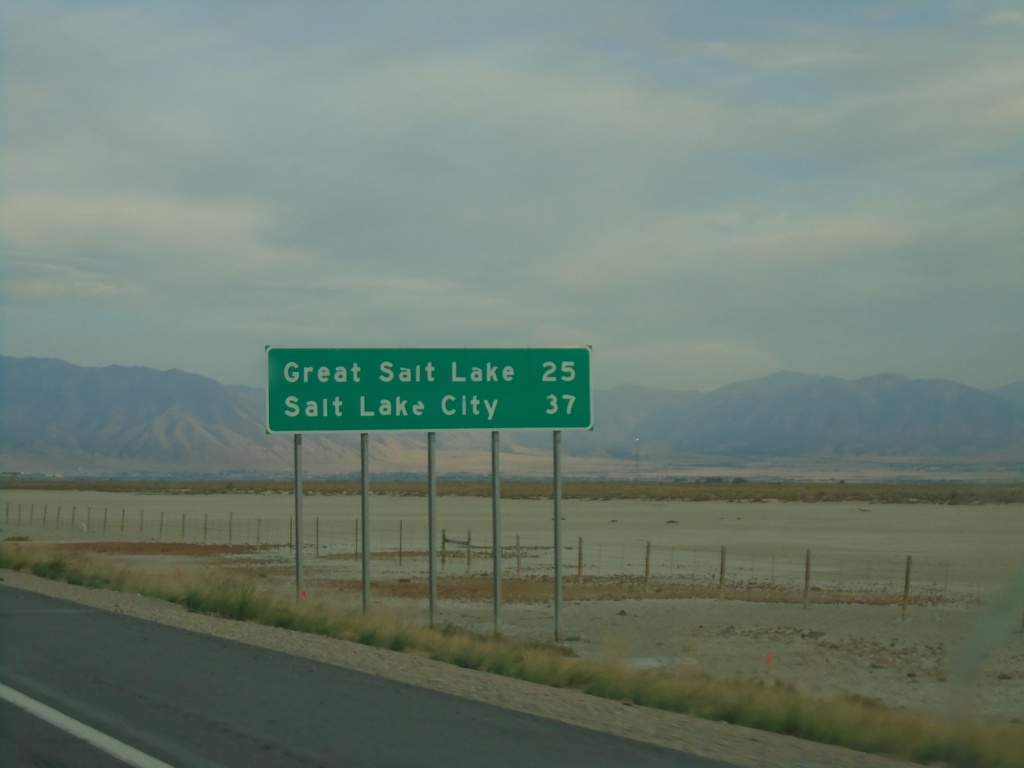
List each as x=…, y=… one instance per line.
x=568, y=371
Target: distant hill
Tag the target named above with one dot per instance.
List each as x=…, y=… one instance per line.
x=124, y=418
x=1011, y=393
x=56, y=417
x=59, y=417
x=792, y=414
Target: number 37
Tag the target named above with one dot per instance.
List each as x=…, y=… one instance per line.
x=553, y=373
x=570, y=400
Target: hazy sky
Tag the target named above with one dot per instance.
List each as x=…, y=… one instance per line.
x=703, y=191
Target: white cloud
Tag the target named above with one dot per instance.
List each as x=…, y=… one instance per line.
x=1005, y=17
x=159, y=237
x=665, y=182
x=557, y=117
x=65, y=285
x=705, y=363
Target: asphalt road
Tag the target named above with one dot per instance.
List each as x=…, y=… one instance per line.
x=28, y=742
x=192, y=700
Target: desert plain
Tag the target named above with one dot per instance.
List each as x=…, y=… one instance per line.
x=814, y=594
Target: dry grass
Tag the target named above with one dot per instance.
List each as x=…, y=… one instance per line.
x=612, y=588
x=515, y=590
x=929, y=493
x=847, y=721
x=178, y=549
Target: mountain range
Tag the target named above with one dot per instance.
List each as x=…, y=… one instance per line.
x=56, y=417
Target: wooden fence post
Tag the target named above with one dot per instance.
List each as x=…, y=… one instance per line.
x=182, y=527
x=469, y=553
x=444, y=541
x=721, y=574
x=579, y=563
x=807, y=578
x=647, y=568
x=906, y=591
x=160, y=529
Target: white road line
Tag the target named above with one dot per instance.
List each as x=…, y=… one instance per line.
x=100, y=740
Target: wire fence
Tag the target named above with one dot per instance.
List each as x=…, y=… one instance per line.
x=399, y=549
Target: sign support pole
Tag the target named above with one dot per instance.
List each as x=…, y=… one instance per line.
x=557, y=451
x=298, y=516
x=426, y=390
x=496, y=527
x=364, y=449
x=432, y=521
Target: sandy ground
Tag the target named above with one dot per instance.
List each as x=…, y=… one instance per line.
x=947, y=661
x=962, y=653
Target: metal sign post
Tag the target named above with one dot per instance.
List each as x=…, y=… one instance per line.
x=496, y=527
x=298, y=516
x=557, y=494
x=428, y=389
x=432, y=523
x=364, y=449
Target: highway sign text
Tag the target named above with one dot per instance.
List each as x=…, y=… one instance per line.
x=360, y=390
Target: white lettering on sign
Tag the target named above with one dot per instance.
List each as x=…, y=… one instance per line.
x=406, y=375
x=343, y=390
x=341, y=374
x=488, y=373
x=466, y=405
x=313, y=408
x=569, y=401
x=398, y=407
x=568, y=371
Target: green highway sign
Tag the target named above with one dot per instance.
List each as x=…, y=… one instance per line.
x=427, y=389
